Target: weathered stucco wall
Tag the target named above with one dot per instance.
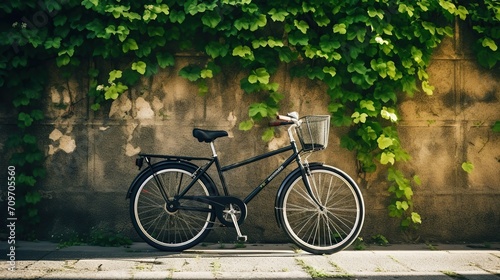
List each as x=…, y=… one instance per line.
x=90, y=155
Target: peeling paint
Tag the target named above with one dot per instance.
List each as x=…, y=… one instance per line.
x=60, y=96
x=131, y=151
x=232, y=119
x=129, y=130
x=144, y=110
x=157, y=104
x=277, y=143
x=67, y=144
x=52, y=149
x=55, y=135
x=121, y=107
x=61, y=142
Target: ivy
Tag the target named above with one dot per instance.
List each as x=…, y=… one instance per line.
x=365, y=52
x=485, y=19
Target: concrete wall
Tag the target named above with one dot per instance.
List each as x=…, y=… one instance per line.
x=90, y=155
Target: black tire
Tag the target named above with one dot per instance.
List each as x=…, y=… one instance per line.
x=322, y=231
x=171, y=230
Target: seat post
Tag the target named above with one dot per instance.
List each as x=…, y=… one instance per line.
x=214, y=153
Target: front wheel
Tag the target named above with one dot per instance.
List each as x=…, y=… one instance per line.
x=331, y=227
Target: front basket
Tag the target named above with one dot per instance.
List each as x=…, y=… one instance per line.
x=313, y=132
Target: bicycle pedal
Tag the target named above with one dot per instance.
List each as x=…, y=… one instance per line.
x=242, y=238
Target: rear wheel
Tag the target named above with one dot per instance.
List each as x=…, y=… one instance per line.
x=331, y=227
x=177, y=227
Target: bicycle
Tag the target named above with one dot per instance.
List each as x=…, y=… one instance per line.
x=174, y=203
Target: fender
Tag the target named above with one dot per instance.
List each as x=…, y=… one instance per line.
x=164, y=163
x=281, y=188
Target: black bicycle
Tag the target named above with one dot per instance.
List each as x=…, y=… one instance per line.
x=174, y=203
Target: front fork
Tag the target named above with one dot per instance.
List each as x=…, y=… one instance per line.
x=306, y=174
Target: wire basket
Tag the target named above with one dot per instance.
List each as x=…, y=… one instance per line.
x=313, y=132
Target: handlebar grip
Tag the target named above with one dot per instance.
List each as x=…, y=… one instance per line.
x=278, y=123
x=284, y=118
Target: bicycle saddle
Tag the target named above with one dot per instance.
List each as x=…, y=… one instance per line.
x=208, y=135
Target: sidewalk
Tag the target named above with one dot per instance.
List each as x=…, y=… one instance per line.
x=42, y=260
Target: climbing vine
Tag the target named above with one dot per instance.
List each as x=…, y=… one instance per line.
x=365, y=52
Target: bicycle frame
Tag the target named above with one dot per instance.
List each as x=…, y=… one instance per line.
x=222, y=169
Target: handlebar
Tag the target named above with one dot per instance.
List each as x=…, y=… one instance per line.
x=278, y=123
x=289, y=119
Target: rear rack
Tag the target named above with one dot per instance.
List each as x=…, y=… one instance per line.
x=140, y=160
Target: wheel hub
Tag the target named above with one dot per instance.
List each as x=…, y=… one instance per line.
x=171, y=207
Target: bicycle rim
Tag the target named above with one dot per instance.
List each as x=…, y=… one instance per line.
x=171, y=230
x=327, y=230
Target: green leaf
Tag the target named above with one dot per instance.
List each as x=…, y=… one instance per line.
x=340, y=28
x=37, y=115
x=417, y=180
x=245, y=125
x=165, y=59
x=278, y=15
x=358, y=67
x=156, y=31
x=113, y=75
x=191, y=72
x=359, y=117
x=415, y=217
x=206, y=73
x=29, y=139
x=259, y=75
x=52, y=43
x=468, y=167
x=330, y=70
x=129, y=45
x=387, y=157
x=258, y=111
x=63, y=60
x=403, y=205
x=276, y=96
x=389, y=114
x=408, y=193
x=177, y=16
x=211, y=19
x=286, y=55
x=33, y=197
x=496, y=127
x=384, y=142
x=24, y=179
x=372, y=12
x=268, y=134
x=60, y=20
x=114, y=91
x=487, y=42
x=298, y=38
x=90, y=3
x=301, y=25
x=259, y=22
x=367, y=104
x=216, y=49
x=242, y=51
x=95, y=107
x=428, y=89
x=139, y=66
x=25, y=119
